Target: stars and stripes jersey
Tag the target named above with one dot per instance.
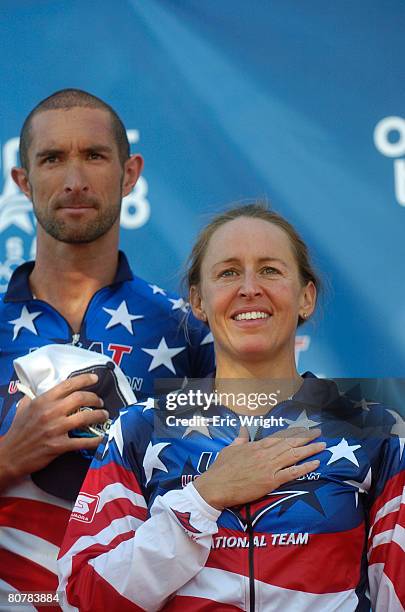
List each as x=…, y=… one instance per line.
x=142, y=538
x=141, y=328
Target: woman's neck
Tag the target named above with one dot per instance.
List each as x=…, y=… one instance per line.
x=259, y=370
x=278, y=382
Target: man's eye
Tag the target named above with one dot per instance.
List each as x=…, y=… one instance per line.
x=51, y=159
x=94, y=155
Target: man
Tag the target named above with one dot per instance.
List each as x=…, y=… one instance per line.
x=75, y=168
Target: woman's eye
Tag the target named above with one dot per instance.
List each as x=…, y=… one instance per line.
x=270, y=270
x=228, y=273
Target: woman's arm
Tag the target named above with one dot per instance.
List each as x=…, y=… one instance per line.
x=114, y=556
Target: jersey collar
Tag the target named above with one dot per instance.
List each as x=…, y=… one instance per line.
x=19, y=289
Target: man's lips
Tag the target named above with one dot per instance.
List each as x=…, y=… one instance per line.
x=76, y=206
x=76, y=203
x=75, y=211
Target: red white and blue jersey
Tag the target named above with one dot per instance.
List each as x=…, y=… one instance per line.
x=141, y=537
x=141, y=328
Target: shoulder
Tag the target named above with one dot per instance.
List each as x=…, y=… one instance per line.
x=132, y=429
x=155, y=296
x=156, y=302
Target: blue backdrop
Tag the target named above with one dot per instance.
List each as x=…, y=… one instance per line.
x=298, y=102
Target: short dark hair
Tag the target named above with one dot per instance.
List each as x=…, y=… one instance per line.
x=257, y=210
x=71, y=98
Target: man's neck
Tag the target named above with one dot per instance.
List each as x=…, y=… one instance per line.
x=67, y=277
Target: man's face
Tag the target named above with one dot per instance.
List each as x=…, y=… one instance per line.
x=75, y=178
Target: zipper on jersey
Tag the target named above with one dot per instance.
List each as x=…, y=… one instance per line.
x=251, y=560
x=75, y=336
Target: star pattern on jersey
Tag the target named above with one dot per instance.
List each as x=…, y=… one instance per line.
x=163, y=355
x=305, y=492
x=207, y=339
x=364, y=404
x=188, y=474
x=343, y=451
x=200, y=427
x=157, y=289
x=148, y=404
x=302, y=421
x=179, y=304
x=282, y=499
x=151, y=459
x=398, y=429
x=362, y=487
x=121, y=316
x=25, y=321
x=115, y=433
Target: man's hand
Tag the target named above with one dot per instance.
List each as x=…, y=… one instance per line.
x=39, y=431
x=245, y=471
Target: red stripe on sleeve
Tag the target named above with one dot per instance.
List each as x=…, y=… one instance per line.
x=110, y=473
x=88, y=591
x=393, y=558
x=393, y=488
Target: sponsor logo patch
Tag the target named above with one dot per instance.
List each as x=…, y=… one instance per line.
x=85, y=507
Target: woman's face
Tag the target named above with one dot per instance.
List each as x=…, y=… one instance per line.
x=250, y=292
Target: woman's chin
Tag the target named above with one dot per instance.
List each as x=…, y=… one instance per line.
x=254, y=351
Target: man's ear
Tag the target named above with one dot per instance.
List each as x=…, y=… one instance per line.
x=132, y=170
x=20, y=178
x=196, y=304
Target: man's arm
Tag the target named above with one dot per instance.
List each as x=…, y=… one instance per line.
x=39, y=430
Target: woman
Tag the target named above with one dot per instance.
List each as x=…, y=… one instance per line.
x=181, y=511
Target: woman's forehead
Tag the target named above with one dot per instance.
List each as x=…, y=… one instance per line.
x=247, y=236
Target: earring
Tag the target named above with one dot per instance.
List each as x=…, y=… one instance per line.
x=304, y=315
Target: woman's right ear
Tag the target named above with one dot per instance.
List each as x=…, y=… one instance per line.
x=196, y=304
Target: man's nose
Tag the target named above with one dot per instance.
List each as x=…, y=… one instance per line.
x=75, y=178
x=250, y=286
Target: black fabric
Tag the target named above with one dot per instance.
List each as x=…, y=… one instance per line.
x=64, y=476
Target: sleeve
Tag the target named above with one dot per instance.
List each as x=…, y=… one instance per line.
x=386, y=539
x=112, y=551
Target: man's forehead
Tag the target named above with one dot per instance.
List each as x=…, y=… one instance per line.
x=75, y=122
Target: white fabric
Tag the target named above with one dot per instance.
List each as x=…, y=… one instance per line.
x=6, y=590
x=31, y=546
x=26, y=489
x=116, y=490
x=120, y=566
x=49, y=365
x=383, y=595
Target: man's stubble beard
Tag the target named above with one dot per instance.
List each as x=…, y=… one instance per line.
x=78, y=233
